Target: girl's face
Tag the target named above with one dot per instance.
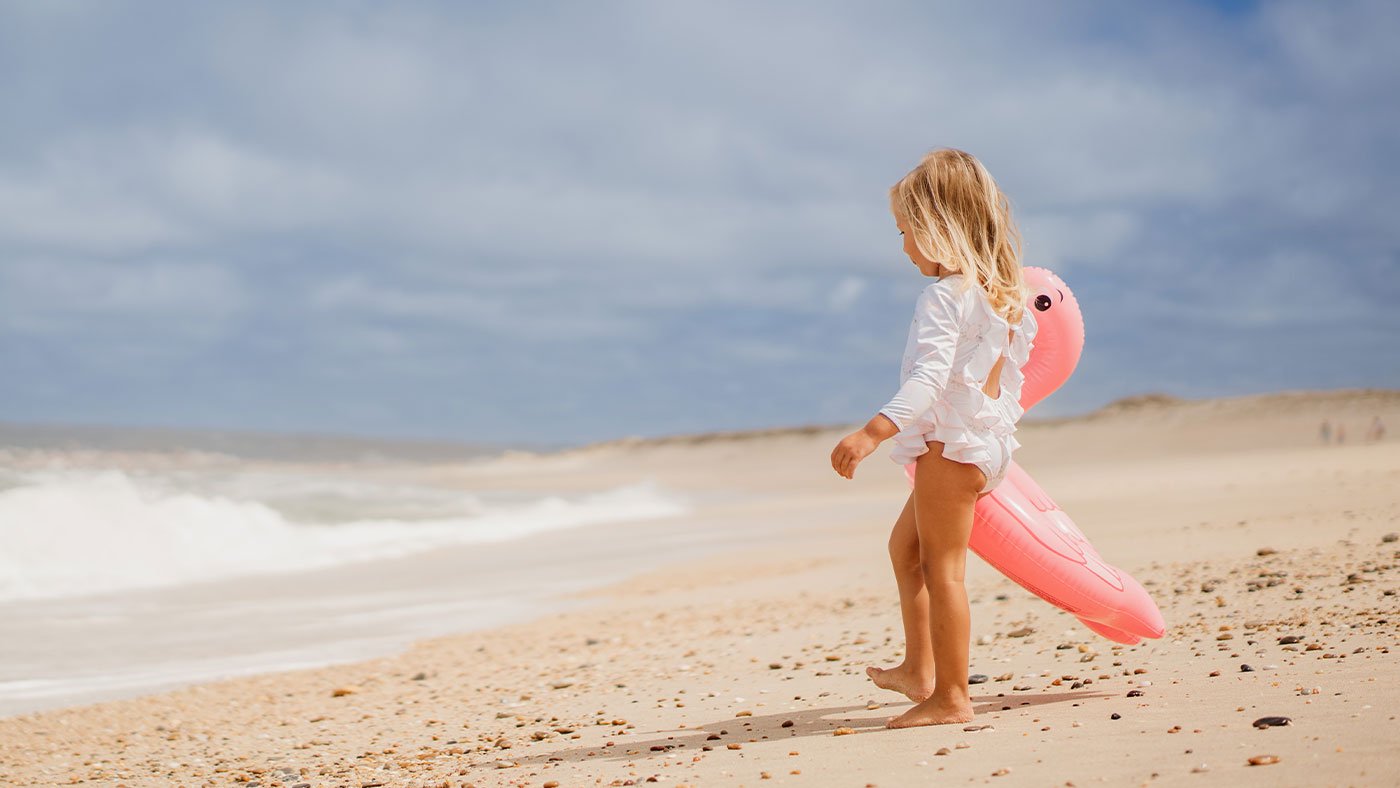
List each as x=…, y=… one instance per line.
x=926, y=266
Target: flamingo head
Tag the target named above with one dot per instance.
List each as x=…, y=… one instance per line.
x=1059, y=337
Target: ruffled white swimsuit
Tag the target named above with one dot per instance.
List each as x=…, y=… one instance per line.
x=954, y=341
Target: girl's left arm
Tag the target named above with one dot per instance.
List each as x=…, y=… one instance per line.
x=939, y=323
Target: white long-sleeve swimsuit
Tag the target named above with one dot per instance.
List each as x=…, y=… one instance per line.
x=954, y=342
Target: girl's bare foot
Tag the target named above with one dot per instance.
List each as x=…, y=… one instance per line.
x=937, y=710
x=903, y=680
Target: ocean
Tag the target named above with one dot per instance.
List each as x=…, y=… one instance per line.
x=132, y=561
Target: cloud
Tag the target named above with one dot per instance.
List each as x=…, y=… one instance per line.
x=846, y=292
x=650, y=218
x=44, y=295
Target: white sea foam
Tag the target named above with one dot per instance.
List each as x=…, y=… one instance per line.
x=75, y=533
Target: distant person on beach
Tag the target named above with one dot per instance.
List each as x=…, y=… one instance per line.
x=955, y=412
x=1341, y=434
x=1325, y=431
x=1377, y=430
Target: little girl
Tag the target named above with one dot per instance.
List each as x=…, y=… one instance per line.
x=955, y=412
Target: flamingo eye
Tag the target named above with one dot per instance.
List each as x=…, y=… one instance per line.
x=1042, y=302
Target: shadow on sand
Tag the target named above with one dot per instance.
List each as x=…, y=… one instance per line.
x=780, y=727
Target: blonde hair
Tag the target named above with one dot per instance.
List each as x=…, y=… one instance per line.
x=960, y=218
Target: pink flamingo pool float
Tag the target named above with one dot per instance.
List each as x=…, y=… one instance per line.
x=1020, y=531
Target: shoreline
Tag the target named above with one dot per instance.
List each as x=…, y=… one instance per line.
x=330, y=448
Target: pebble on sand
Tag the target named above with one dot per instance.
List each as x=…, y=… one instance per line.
x=343, y=691
x=977, y=678
x=1272, y=722
x=1263, y=760
x=843, y=731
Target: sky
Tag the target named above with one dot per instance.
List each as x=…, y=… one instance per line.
x=553, y=223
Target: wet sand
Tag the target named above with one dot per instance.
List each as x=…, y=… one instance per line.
x=1273, y=557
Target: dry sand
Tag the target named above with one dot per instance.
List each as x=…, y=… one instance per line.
x=1262, y=547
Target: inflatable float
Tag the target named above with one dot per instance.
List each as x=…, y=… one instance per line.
x=1020, y=531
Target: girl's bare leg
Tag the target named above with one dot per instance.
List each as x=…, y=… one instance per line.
x=945, y=493
x=913, y=677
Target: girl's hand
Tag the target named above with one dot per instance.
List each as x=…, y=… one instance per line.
x=850, y=451
x=858, y=445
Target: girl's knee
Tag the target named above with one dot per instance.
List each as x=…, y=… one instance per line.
x=903, y=545
x=905, y=562
x=941, y=573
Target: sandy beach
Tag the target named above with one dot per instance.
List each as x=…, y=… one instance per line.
x=738, y=656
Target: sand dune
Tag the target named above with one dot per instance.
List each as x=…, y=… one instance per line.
x=1272, y=556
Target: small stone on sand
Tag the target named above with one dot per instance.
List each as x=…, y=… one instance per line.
x=1272, y=722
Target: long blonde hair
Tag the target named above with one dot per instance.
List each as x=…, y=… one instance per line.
x=960, y=218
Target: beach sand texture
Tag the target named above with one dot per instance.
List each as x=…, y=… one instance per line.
x=1273, y=558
